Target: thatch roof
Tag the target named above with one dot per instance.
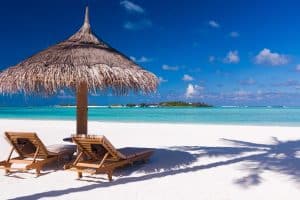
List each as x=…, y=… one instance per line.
x=81, y=58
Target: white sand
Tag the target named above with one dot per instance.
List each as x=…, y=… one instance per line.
x=191, y=162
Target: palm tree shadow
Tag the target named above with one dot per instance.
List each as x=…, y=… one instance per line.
x=281, y=157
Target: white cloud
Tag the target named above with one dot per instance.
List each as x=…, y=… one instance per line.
x=64, y=95
x=214, y=24
x=234, y=34
x=187, y=77
x=190, y=91
x=241, y=95
x=199, y=88
x=142, y=59
x=232, y=57
x=162, y=80
x=287, y=83
x=132, y=7
x=249, y=81
x=193, y=90
x=137, y=25
x=211, y=59
x=170, y=68
x=298, y=67
x=267, y=57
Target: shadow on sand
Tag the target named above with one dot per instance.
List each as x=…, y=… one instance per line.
x=281, y=157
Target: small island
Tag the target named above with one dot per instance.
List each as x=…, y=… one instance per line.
x=148, y=105
x=183, y=104
x=169, y=104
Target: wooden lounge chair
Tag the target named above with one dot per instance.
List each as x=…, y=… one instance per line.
x=32, y=152
x=98, y=155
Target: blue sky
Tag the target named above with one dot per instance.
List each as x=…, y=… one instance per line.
x=220, y=52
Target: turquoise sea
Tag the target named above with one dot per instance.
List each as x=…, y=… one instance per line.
x=281, y=116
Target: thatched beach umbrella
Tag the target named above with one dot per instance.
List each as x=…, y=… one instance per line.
x=83, y=63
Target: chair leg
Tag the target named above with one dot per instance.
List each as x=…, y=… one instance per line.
x=7, y=171
x=109, y=174
x=38, y=172
x=79, y=175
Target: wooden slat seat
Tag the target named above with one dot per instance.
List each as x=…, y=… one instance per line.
x=98, y=155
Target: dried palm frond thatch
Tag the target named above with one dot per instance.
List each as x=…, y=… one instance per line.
x=81, y=58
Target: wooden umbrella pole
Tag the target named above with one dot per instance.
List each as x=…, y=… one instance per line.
x=82, y=108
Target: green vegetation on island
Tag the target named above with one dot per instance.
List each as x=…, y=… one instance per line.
x=183, y=104
x=150, y=105
x=170, y=104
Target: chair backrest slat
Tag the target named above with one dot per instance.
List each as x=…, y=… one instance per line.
x=22, y=139
x=90, y=143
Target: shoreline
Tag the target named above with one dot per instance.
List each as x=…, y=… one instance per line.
x=154, y=122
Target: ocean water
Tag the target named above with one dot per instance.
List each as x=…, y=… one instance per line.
x=281, y=116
